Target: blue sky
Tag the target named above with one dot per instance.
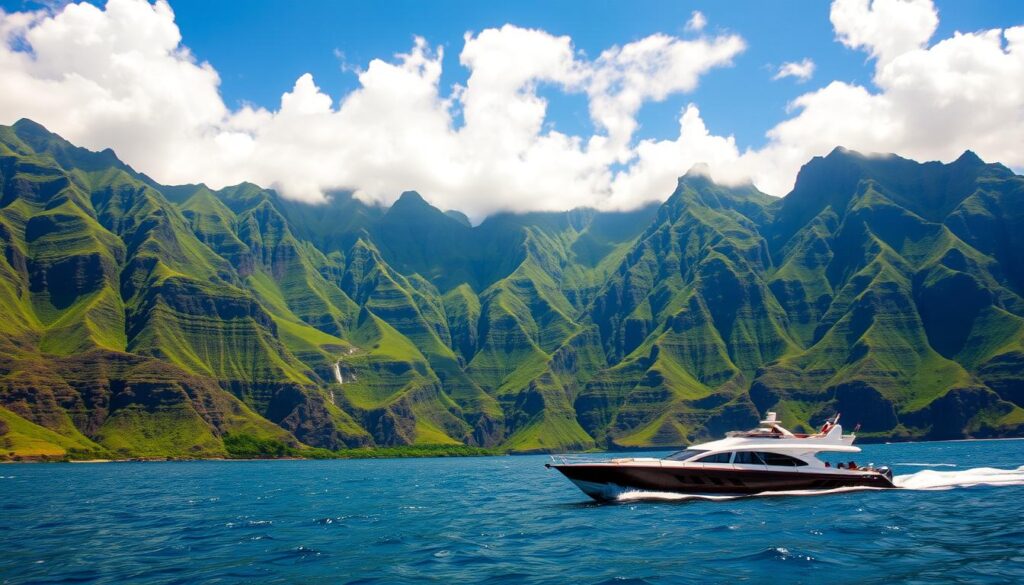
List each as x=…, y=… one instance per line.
x=260, y=47
x=889, y=76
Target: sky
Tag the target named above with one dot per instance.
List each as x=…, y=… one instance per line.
x=486, y=107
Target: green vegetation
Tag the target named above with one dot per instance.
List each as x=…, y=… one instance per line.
x=22, y=438
x=416, y=451
x=141, y=320
x=243, y=446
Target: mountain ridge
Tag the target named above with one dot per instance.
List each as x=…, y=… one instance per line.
x=195, y=320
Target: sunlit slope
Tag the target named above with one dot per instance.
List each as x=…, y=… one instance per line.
x=688, y=318
x=147, y=320
x=106, y=265
x=911, y=308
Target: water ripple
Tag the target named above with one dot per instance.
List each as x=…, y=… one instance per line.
x=501, y=520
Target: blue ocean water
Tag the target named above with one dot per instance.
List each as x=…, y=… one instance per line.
x=501, y=519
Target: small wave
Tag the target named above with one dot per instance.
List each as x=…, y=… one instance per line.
x=925, y=464
x=779, y=553
x=389, y=540
x=640, y=495
x=922, y=480
x=945, y=480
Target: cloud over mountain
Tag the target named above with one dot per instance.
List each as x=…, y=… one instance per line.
x=121, y=76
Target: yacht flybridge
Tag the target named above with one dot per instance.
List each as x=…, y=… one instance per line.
x=767, y=458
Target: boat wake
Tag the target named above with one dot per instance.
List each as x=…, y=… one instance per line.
x=927, y=479
x=930, y=479
x=640, y=495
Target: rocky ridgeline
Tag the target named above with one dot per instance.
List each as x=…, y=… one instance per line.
x=141, y=320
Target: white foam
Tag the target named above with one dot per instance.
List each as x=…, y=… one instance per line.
x=925, y=464
x=639, y=495
x=927, y=479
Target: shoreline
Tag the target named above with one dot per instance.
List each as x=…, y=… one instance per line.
x=352, y=456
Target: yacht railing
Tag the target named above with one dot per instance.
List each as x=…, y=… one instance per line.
x=601, y=458
x=571, y=459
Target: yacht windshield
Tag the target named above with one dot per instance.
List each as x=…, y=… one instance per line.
x=685, y=454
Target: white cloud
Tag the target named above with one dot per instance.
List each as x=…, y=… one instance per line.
x=623, y=78
x=120, y=77
x=697, y=21
x=929, y=103
x=114, y=77
x=659, y=162
x=885, y=29
x=801, y=71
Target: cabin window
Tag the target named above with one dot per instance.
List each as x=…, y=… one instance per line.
x=716, y=458
x=748, y=458
x=780, y=460
x=685, y=454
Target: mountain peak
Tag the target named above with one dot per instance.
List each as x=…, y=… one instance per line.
x=699, y=170
x=411, y=198
x=841, y=153
x=840, y=165
x=459, y=217
x=32, y=131
x=969, y=158
x=30, y=125
x=411, y=206
x=698, y=178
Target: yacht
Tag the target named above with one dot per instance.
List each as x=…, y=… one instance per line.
x=768, y=458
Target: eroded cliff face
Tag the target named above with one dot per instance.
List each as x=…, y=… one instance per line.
x=144, y=320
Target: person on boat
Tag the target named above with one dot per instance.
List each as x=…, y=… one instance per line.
x=852, y=465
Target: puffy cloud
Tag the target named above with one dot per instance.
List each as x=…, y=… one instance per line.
x=120, y=77
x=652, y=68
x=884, y=28
x=801, y=71
x=658, y=162
x=697, y=21
x=115, y=77
x=929, y=102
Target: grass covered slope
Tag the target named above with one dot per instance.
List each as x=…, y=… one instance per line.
x=141, y=320
x=906, y=308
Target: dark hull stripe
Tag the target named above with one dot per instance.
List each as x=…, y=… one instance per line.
x=710, y=481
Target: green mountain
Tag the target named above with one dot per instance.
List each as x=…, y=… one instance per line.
x=143, y=320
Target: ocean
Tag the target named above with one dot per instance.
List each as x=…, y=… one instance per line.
x=504, y=520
